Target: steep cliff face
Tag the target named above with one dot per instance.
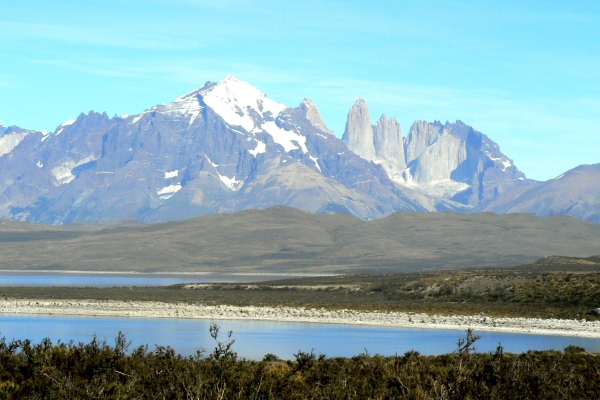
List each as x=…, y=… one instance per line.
x=358, y=134
x=421, y=135
x=458, y=162
x=312, y=114
x=227, y=147
x=224, y=147
x=389, y=144
x=450, y=161
x=381, y=143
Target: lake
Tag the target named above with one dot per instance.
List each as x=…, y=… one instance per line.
x=256, y=338
x=20, y=278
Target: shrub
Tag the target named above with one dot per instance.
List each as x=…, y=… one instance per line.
x=98, y=370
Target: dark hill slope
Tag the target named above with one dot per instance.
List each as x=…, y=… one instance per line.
x=283, y=239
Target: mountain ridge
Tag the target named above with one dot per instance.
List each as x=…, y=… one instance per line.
x=227, y=147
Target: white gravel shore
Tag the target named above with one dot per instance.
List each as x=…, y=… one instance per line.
x=152, y=309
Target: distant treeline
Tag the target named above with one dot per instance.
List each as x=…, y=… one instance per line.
x=100, y=371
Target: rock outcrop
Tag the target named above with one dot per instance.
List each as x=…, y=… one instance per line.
x=224, y=147
x=312, y=114
x=358, y=134
x=450, y=161
x=458, y=162
x=381, y=143
x=227, y=147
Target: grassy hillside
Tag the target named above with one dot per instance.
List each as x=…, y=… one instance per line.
x=283, y=239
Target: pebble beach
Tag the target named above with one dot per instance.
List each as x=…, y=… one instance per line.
x=152, y=309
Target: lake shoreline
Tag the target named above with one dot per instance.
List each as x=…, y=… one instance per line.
x=153, y=309
x=59, y=272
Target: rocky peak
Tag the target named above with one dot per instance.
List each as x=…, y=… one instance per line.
x=311, y=113
x=2, y=128
x=389, y=144
x=421, y=135
x=239, y=103
x=381, y=143
x=358, y=134
x=455, y=161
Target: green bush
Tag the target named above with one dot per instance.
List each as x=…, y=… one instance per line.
x=97, y=370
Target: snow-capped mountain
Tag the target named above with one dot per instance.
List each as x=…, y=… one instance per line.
x=227, y=147
x=451, y=161
x=222, y=148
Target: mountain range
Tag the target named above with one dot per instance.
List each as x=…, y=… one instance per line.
x=227, y=147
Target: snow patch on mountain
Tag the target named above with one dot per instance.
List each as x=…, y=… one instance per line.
x=137, y=118
x=64, y=171
x=235, y=100
x=10, y=141
x=316, y=161
x=168, y=191
x=171, y=174
x=65, y=124
x=187, y=105
x=289, y=140
x=231, y=183
x=260, y=148
x=504, y=161
x=444, y=188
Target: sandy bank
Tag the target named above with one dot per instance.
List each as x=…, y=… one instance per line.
x=151, y=309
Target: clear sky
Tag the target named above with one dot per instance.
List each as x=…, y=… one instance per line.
x=526, y=73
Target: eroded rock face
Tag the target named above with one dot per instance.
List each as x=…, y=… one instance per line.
x=227, y=147
x=381, y=143
x=388, y=141
x=358, y=134
x=421, y=135
x=450, y=161
x=224, y=147
x=458, y=162
x=312, y=114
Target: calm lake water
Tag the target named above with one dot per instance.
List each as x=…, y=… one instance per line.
x=256, y=338
x=110, y=280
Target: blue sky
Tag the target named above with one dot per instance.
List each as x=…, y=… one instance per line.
x=527, y=74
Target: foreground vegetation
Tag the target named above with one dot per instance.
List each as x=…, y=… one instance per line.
x=99, y=371
x=537, y=290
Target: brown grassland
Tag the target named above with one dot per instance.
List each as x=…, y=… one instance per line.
x=557, y=287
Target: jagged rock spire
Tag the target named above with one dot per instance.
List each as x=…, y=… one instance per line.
x=358, y=134
x=388, y=141
x=381, y=143
x=421, y=135
x=311, y=113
